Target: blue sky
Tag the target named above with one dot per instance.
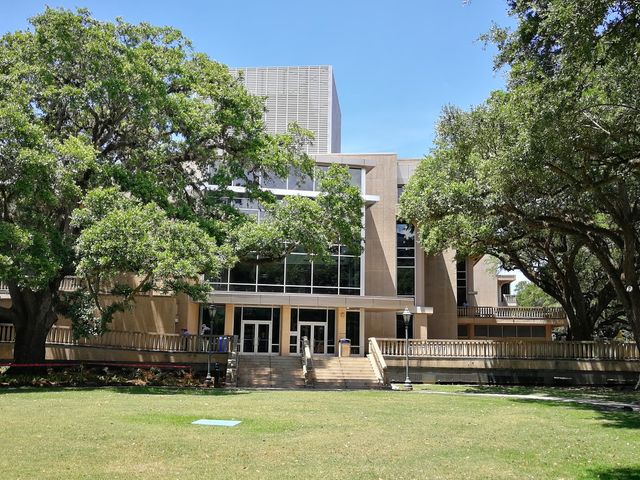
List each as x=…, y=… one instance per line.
x=396, y=66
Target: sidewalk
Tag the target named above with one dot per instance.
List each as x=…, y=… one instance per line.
x=604, y=404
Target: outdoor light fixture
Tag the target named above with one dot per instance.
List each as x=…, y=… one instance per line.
x=406, y=316
x=212, y=313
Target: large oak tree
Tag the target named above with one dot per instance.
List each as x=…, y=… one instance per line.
x=557, y=154
x=117, y=144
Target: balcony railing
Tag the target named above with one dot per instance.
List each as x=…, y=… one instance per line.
x=160, y=342
x=68, y=284
x=509, y=349
x=517, y=313
x=510, y=300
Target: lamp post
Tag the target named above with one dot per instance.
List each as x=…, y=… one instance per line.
x=212, y=313
x=406, y=316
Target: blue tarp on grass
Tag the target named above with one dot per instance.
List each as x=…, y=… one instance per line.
x=216, y=423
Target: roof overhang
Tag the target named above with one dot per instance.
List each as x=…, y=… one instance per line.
x=394, y=304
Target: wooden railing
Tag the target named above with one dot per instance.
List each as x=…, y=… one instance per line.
x=162, y=342
x=536, y=350
x=306, y=357
x=517, y=313
x=4, y=288
x=377, y=361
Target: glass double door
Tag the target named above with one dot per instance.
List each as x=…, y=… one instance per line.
x=256, y=337
x=317, y=335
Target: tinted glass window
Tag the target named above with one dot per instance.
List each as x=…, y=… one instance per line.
x=350, y=272
x=353, y=328
x=356, y=176
x=298, y=270
x=243, y=273
x=406, y=281
x=271, y=273
x=326, y=274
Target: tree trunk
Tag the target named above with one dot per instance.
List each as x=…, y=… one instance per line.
x=634, y=319
x=33, y=315
x=580, y=330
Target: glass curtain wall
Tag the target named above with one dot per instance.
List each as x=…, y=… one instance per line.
x=406, y=257
x=339, y=275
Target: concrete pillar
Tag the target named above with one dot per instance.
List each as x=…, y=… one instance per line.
x=228, y=319
x=420, y=326
x=285, y=328
x=190, y=322
x=548, y=331
x=472, y=331
x=341, y=324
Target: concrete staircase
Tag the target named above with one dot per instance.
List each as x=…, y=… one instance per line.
x=343, y=372
x=267, y=371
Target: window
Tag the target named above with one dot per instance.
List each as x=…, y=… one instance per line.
x=400, y=333
x=461, y=279
x=353, y=331
x=301, y=182
x=507, y=331
x=339, y=275
x=217, y=325
x=297, y=273
x=406, y=259
x=463, y=331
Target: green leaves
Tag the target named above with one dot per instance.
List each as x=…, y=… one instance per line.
x=310, y=224
x=544, y=173
x=126, y=247
x=120, y=235
x=111, y=137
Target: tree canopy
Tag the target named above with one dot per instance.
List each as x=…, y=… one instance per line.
x=118, y=147
x=550, y=164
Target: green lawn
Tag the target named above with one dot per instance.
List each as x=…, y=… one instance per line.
x=131, y=433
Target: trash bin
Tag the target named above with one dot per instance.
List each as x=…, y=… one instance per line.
x=345, y=347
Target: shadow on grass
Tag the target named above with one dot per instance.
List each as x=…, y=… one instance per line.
x=611, y=416
x=615, y=473
x=131, y=390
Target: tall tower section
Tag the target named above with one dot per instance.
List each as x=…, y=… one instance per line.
x=306, y=95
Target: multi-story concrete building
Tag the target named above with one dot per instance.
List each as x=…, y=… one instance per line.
x=270, y=307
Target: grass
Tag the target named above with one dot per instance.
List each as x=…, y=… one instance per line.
x=146, y=433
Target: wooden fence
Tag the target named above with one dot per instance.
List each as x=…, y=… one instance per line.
x=534, y=350
x=160, y=342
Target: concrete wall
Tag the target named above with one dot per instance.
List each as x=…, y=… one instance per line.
x=483, y=276
x=380, y=242
x=503, y=371
x=380, y=231
x=151, y=313
x=439, y=277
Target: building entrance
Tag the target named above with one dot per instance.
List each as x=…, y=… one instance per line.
x=256, y=336
x=317, y=335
